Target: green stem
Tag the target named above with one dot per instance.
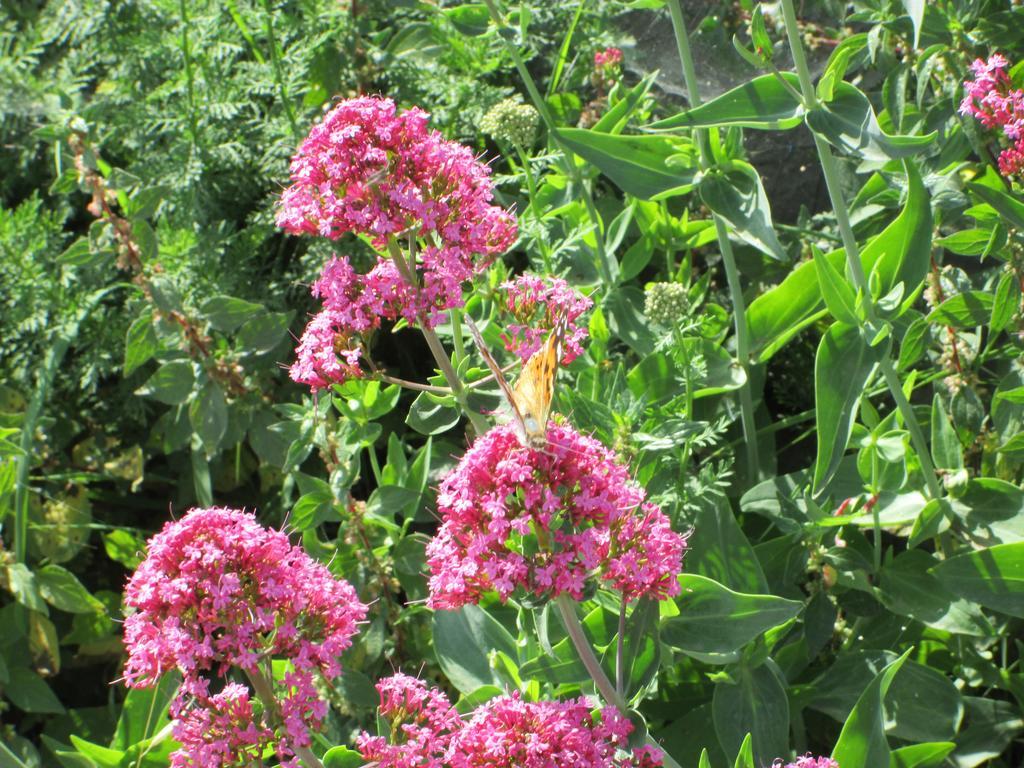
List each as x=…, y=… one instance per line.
x=603, y=262
x=832, y=182
x=275, y=59
x=571, y=622
x=265, y=692
x=444, y=364
x=531, y=188
x=732, y=275
x=186, y=52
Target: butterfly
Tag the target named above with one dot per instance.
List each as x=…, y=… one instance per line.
x=530, y=398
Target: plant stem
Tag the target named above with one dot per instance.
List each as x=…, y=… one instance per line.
x=571, y=622
x=603, y=262
x=620, y=647
x=275, y=59
x=853, y=262
x=265, y=692
x=444, y=364
x=732, y=275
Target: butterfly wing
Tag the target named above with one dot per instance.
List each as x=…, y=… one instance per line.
x=506, y=390
x=535, y=388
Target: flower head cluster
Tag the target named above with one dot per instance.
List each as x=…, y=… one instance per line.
x=666, y=303
x=506, y=732
x=609, y=58
x=991, y=99
x=221, y=731
x=546, y=521
x=218, y=591
x=807, y=762
x=539, y=304
x=512, y=121
x=370, y=170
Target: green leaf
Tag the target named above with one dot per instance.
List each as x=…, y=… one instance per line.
x=965, y=310
x=171, y=383
x=862, y=742
x=843, y=368
x=208, y=414
x=745, y=757
x=915, y=9
x=102, y=757
x=21, y=582
x=262, y=334
x=637, y=164
x=908, y=589
x=1005, y=303
x=838, y=295
x=140, y=343
x=754, y=708
x=471, y=19
x=764, y=103
x=124, y=547
x=30, y=693
x=848, y=122
x=967, y=242
x=780, y=313
x=226, y=313
x=429, y=417
x=144, y=712
x=1009, y=207
x=464, y=640
x=928, y=755
x=946, y=449
x=719, y=550
x=993, y=577
x=62, y=589
x=342, y=757
x=715, y=620
x=738, y=197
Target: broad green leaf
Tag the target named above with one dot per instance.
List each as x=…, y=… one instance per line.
x=928, y=755
x=967, y=242
x=471, y=19
x=755, y=708
x=838, y=295
x=848, y=122
x=843, y=368
x=781, y=312
x=561, y=667
x=30, y=693
x=946, y=449
x=738, y=197
x=140, y=343
x=429, y=417
x=616, y=118
x=101, y=757
x=1005, y=303
x=262, y=334
x=935, y=518
x=993, y=577
x=62, y=589
x=1009, y=207
x=862, y=742
x=171, y=383
x=915, y=9
x=208, y=414
x=144, y=712
x=464, y=640
x=990, y=511
x=639, y=165
x=342, y=757
x=764, y=102
x=715, y=620
x=226, y=313
x=719, y=550
x=908, y=589
x=745, y=757
x=964, y=310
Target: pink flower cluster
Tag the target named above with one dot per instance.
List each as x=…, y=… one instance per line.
x=505, y=732
x=221, y=731
x=539, y=304
x=609, y=58
x=991, y=99
x=219, y=591
x=369, y=170
x=546, y=521
x=807, y=762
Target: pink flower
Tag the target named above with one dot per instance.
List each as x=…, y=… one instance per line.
x=219, y=730
x=219, y=591
x=609, y=58
x=996, y=105
x=369, y=170
x=546, y=522
x=505, y=732
x=540, y=304
x=807, y=762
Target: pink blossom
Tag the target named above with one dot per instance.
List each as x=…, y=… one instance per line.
x=370, y=170
x=219, y=591
x=547, y=521
x=807, y=762
x=991, y=99
x=505, y=732
x=609, y=58
x=219, y=730
x=539, y=304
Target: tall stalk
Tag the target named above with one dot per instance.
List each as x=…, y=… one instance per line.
x=732, y=275
x=831, y=172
